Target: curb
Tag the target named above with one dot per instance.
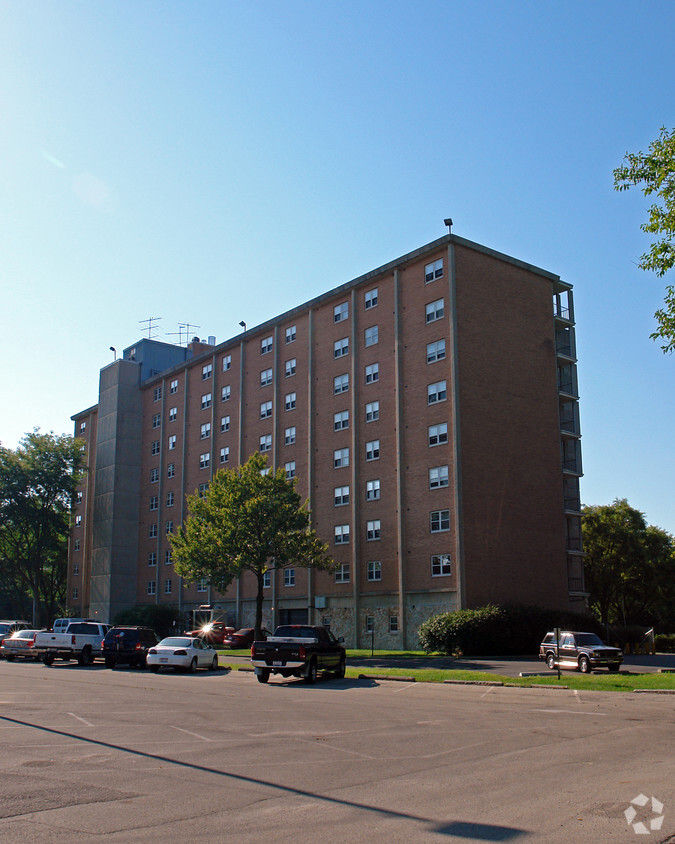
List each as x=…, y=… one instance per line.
x=395, y=677
x=655, y=691
x=474, y=682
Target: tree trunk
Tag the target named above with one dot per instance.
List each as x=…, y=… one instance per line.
x=259, y=607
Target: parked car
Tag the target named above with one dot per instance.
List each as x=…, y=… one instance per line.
x=128, y=645
x=582, y=651
x=21, y=643
x=81, y=641
x=60, y=624
x=7, y=627
x=298, y=650
x=213, y=632
x=183, y=653
x=244, y=638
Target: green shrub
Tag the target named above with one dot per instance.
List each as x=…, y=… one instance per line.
x=160, y=617
x=665, y=643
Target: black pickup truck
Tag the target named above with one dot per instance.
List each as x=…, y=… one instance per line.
x=298, y=650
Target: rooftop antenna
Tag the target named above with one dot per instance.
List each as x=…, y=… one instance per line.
x=185, y=332
x=152, y=329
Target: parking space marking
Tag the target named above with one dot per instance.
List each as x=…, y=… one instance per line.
x=567, y=712
x=196, y=735
x=84, y=720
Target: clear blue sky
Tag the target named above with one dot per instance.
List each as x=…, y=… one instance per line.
x=211, y=162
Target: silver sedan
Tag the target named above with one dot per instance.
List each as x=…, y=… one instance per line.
x=19, y=643
x=182, y=653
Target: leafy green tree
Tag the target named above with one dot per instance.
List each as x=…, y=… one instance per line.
x=654, y=171
x=37, y=482
x=247, y=521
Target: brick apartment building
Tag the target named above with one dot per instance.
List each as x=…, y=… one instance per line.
x=429, y=412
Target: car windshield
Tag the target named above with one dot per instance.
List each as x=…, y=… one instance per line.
x=175, y=642
x=24, y=634
x=588, y=639
x=5, y=628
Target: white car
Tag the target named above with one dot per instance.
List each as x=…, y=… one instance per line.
x=182, y=653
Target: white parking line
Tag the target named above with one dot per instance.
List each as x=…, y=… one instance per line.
x=567, y=712
x=196, y=735
x=84, y=720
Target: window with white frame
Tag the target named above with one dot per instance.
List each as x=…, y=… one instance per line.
x=202, y=490
x=370, y=623
x=393, y=624
x=290, y=469
x=156, y=420
x=154, y=476
x=341, y=496
x=224, y=424
x=289, y=577
x=266, y=442
x=372, y=490
x=342, y=573
x=440, y=565
x=76, y=569
x=79, y=495
x=202, y=585
x=370, y=299
x=290, y=367
x=265, y=409
x=373, y=530
x=168, y=557
x=372, y=373
x=207, y=371
x=168, y=586
x=78, y=519
x=373, y=450
x=266, y=472
x=152, y=558
x=267, y=579
x=289, y=435
x=435, y=351
x=225, y=454
x=435, y=310
x=341, y=420
x=341, y=312
x=289, y=401
x=204, y=460
x=154, y=504
x=438, y=434
x=290, y=333
x=152, y=531
x=371, y=335
x=170, y=499
x=173, y=387
x=266, y=345
x=341, y=384
x=374, y=570
x=83, y=426
x=157, y=394
x=438, y=477
x=265, y=377
x=225, y=393
x=173, y=414
x=206, y=401
x=75, y=592
x=171, y=470
x=155, y=447
x=168, y=528
x=440, y=520
x=205, y=431
x=340, y=458
x=172, y=442
x=152, y=587
x=433, y=271
x=342, y=534
x=372, y=411
x=76, y=545
x=227, y=362
x=437, y=392
x=341, y=347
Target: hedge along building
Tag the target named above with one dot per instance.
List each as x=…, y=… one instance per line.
x=429, y=413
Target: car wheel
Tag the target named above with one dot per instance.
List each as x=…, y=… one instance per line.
x=10, y=657
x=550, y=661
x=142, y=661
x=614, y=669
x=109, y=662
x=85, y=656
x=48, y=659
x=342, y=668
x=193, y=665
x=214, y=664
x=264, y=675
x=584, y=665
x=154, y=668
x=310, y=679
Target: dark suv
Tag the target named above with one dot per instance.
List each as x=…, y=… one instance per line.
x=128, y=645
x=584, y=651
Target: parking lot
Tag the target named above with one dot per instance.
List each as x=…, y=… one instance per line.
x=89, y=753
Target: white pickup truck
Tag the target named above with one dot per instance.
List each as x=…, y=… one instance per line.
x=81, y=640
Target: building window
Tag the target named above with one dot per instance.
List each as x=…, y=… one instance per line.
x=290, y=469
x=83, y=426
x=152, y=558
x=437, y=392
x=289, y=435
x=342, y=534
x=266, y=345
x=372, y=490
x=436, y=351
x=373, y=450
x=205, y=431
x=435, y=310
x=440, y=520
x=156, y=420
x=341, y=347
x=265, y=377
x=206, y=401
x=168, y=586
x=438, y=434
x=370, y=624
x=289, y=577
x=266, y=472
x=172, y=442
x=341, y=384
x=265, y=409
x=341, y=420
x=76, y=569
x=370, y=299
x=204, y=460
x=202, y=490
x=155, y=448
x=342, y=573
x=225, y=454
x=157, y=394
x=289, y=401
x=290, y=333
x=373, y=530
x=290, y=367
x=168, y=557
x=173, y=414
x=227, y=362
x=433, y=271
x=170, y=499
x=341, y=495
x=372, y=373
x=393, y=624
x=440, y=565
x=374, y=570
x=225, y=393
x=169, y=526
x=371, y=335
x=76, y=545
x=438, y=477
x=173, y=387
x=266, y=442
x=341, y=312
x=171, y=470
x=154, y=476
x=152, y=587
x=340, y=458
x=78, y=521
x=267, y=579
x=207, y=371
x=154, y=504
x=79, y=495
x=202, y=585
x=372, y=411
x=75, y=592
x=224, y=424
